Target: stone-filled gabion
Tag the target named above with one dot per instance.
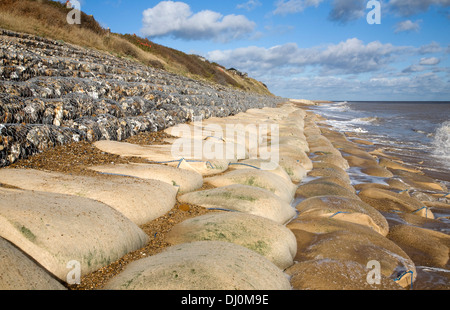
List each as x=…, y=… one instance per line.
x=53, y=93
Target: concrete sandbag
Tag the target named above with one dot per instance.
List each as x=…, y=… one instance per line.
x=266, y=237
x=140, y=200
x=185, y=180
x=326, y=274
x=56, y=230
x=362, y=248
x=202, y=265
x=265, y=165
x=425, y=247
x=263, y=179
x=345, y=209
x=389, y=201
x=19, y=272
x=243, y=198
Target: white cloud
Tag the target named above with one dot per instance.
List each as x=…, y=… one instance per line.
x=347, y=10
x=348, y=57
x=284, y=7
x=431, y=61
x=414, y=68
x=344, y=11
x=176, y=19
x=411, y=7
x=249, y=5
x=431, y=48
x=347, y=70
x=408, y=25
x=406, y=87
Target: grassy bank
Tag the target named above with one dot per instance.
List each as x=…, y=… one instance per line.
x=48, y=19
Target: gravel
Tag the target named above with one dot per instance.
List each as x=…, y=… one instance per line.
x=53, y=93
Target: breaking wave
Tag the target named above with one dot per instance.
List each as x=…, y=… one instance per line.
x=441, y=142
x=338, y=106
x=368, y=120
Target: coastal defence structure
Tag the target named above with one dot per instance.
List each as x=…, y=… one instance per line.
x=128, y=213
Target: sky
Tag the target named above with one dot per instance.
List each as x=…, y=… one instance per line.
x=390, y=50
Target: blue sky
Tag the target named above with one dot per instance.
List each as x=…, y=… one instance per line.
x=313, y=49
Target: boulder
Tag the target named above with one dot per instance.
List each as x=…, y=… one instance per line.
x=56, y=229
x=140, y=200
x=266, y=237
x=185, y=180
x=258, y=178
x=19, y=272
x=243, y=198
x=202, y=265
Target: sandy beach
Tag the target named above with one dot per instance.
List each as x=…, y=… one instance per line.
x=387, y=231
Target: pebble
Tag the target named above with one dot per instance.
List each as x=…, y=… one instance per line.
x=54, y=93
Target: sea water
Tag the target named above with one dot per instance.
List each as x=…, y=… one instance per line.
x=416, y=132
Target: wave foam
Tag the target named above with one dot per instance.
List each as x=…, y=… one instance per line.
x=339, y=106
x=346, y=126
x=441, y=142
x=367, y=120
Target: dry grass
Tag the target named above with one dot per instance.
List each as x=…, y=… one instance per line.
x=47, y=18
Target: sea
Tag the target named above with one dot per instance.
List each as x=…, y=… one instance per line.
x=418, y=133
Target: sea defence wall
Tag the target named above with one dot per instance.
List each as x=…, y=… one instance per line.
x=52, y=93
x=264, y=226
x=280, y=211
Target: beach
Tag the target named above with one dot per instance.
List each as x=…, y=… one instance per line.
x=416, y=132
x=347, y=217
x=118, y=176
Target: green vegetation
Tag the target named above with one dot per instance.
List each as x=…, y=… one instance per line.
x=259, y=246
x=26, y=232
x=229, y=195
